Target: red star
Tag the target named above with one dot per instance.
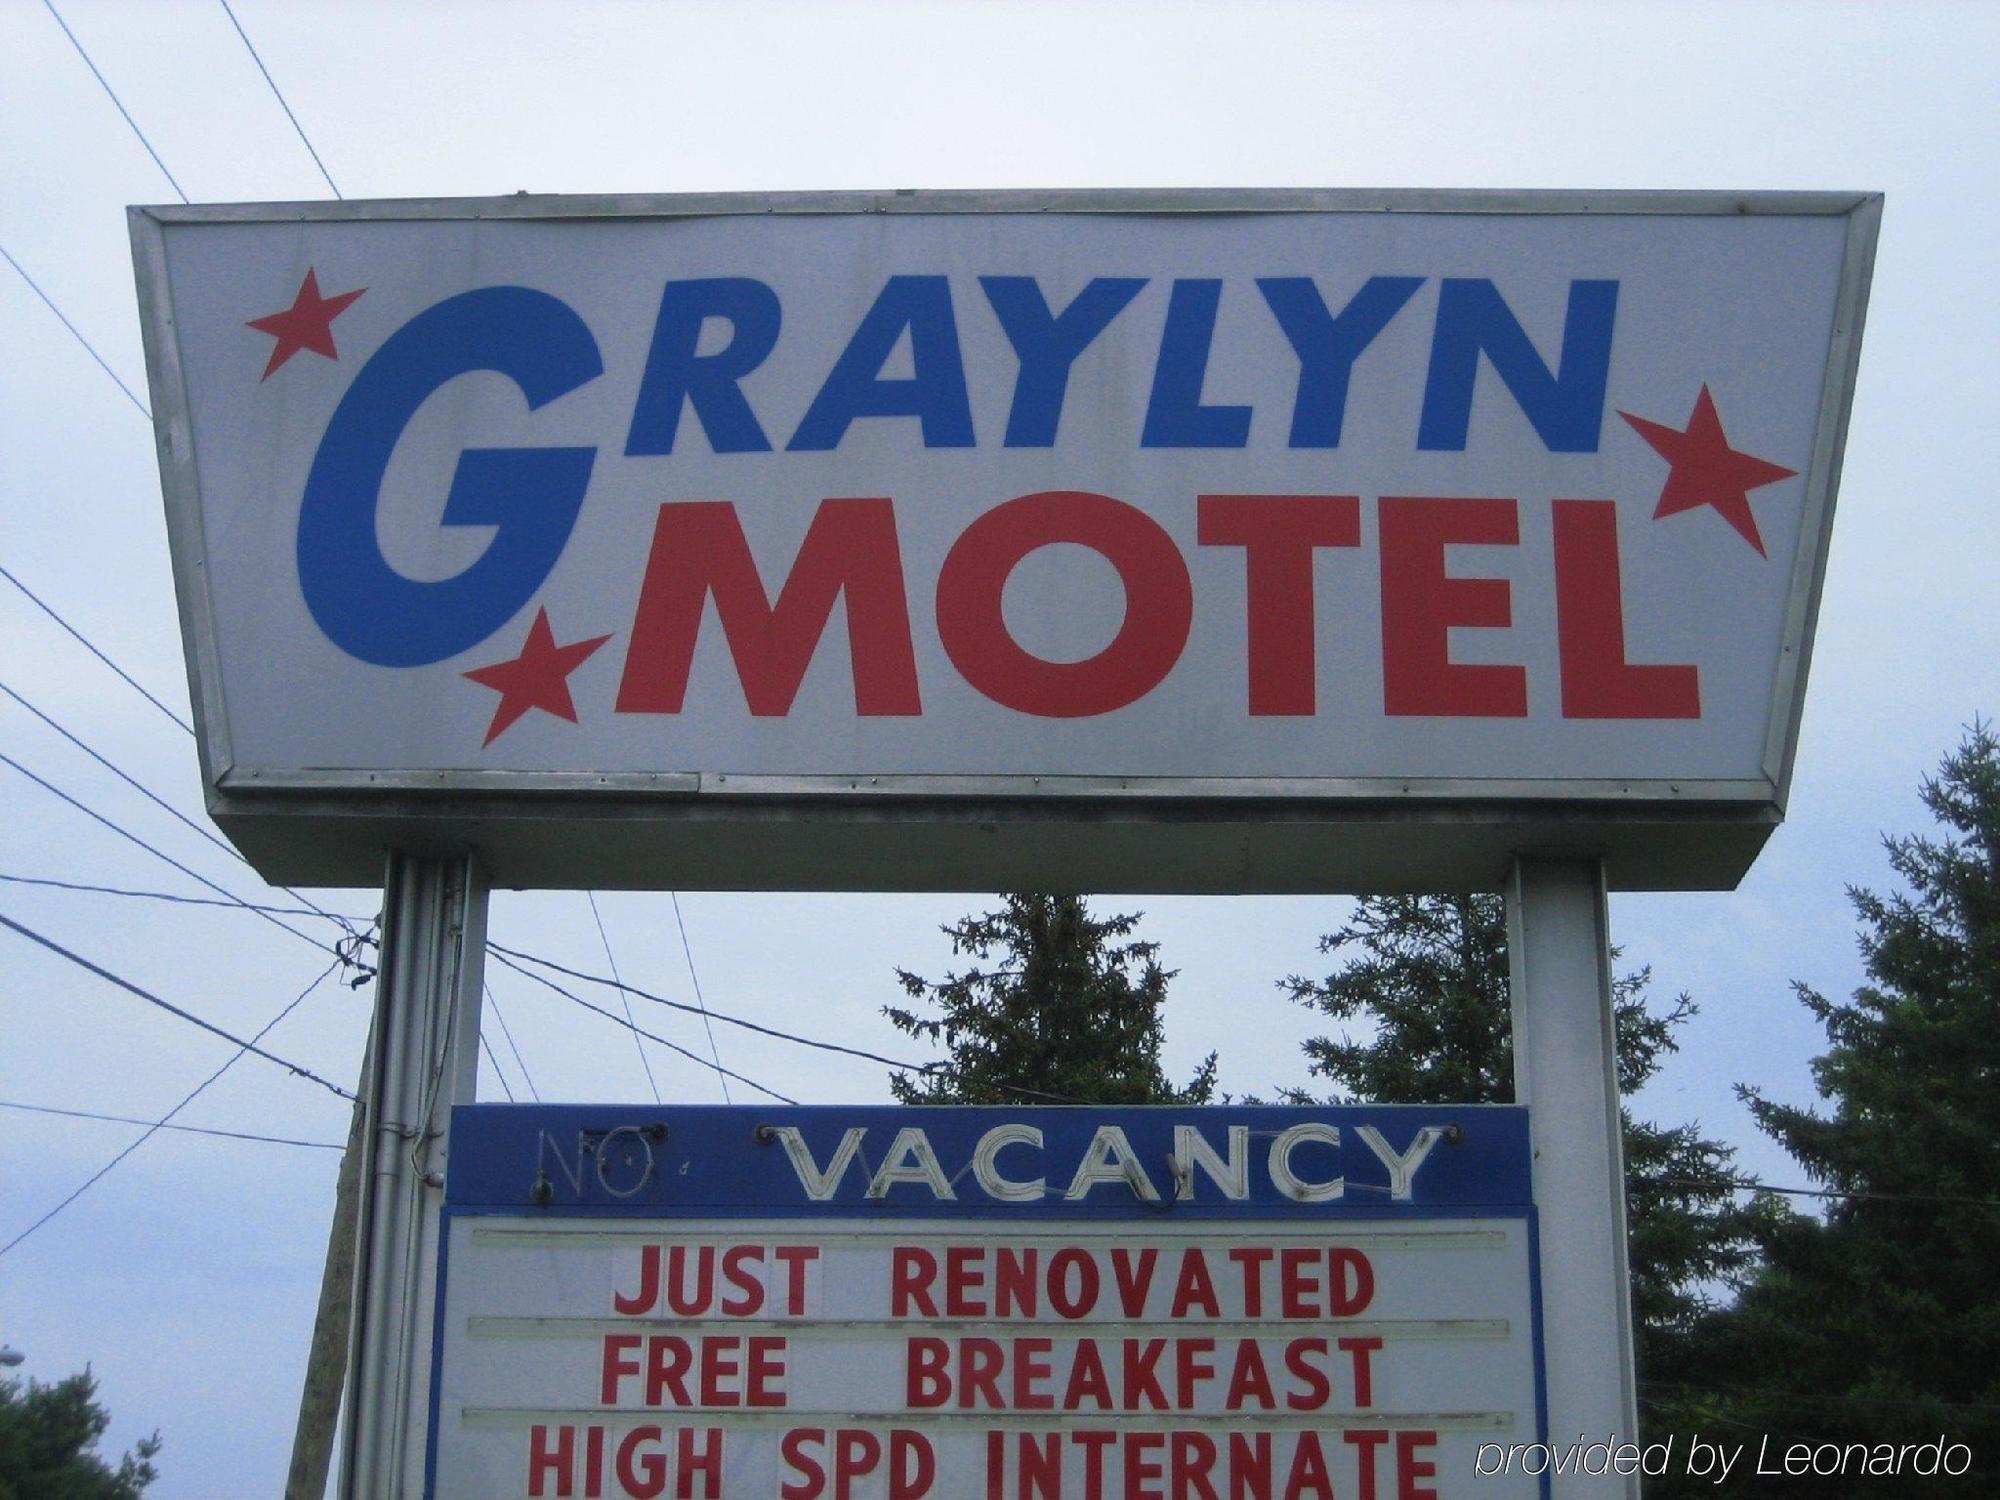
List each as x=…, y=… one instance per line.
x=306, y=324
x=1706, y=470
x=537, y=678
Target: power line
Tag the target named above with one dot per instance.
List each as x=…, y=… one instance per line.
x=508, y=1032
x=162, y=1123
x=623, y=998
x=345, y=923
x=280, y=96
x=505, y=1086
x=132, y=781
x=503, y=955
x=172, y=1009
x=616, y=982
x=76, y=333
x=695, y=980
x=118, y=828
x=506, y=954
x=82, y=639
x=1022, y=1091
x=271, y=914
x=113, y=95
x=1860, y=1194
x=507, y=957
x=84, y=887
x=232, y=1135
x=161, y=802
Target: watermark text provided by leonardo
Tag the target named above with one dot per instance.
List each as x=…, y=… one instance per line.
x=1721, y=1461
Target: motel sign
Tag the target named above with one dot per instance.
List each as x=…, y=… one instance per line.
x=1150, y=540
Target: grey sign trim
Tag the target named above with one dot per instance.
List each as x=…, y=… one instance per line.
x=1025, y=200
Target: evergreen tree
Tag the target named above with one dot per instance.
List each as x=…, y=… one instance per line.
x=1069, y=1012
x=48, y=1434
x=1879, y=1322
x=1429, y=975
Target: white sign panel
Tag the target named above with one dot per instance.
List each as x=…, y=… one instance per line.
x=1305, y=500
x=986, y=1303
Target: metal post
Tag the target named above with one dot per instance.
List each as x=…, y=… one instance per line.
x=1565, y=1070
x=425, y=1059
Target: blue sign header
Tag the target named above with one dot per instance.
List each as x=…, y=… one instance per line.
x=988, y=1162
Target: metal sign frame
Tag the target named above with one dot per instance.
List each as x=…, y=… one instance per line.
x=924, y=831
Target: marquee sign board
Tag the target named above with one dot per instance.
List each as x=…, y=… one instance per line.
x=984, y=1304
x=1272, y=540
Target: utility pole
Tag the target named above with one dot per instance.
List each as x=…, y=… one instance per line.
x=326, y=1364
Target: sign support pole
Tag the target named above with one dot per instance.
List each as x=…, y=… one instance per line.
x=1566, y=1070
x=425, y=1058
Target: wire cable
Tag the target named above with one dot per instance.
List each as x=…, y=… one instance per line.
x=172, y=1009
x=84, y=807
x=279, y=94
x=623, y=998
x=613, y=1016
x=85, y=888
x=232, y=1135
x=509, y=957
x=422, y=1131
x=83, y=640
x=505, y=1087
x=125, y=776
x=506, y=954
x=76, y=333
x=1022, y=1091
x=1862, y=1194
x=699, y=999
x=346, y=924
x=508, y=1032
x=156, y=1126
x=112, y=93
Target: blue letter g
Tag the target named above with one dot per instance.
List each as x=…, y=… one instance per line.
x=532, y=495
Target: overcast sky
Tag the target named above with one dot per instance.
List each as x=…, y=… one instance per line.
x=187, y=1276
